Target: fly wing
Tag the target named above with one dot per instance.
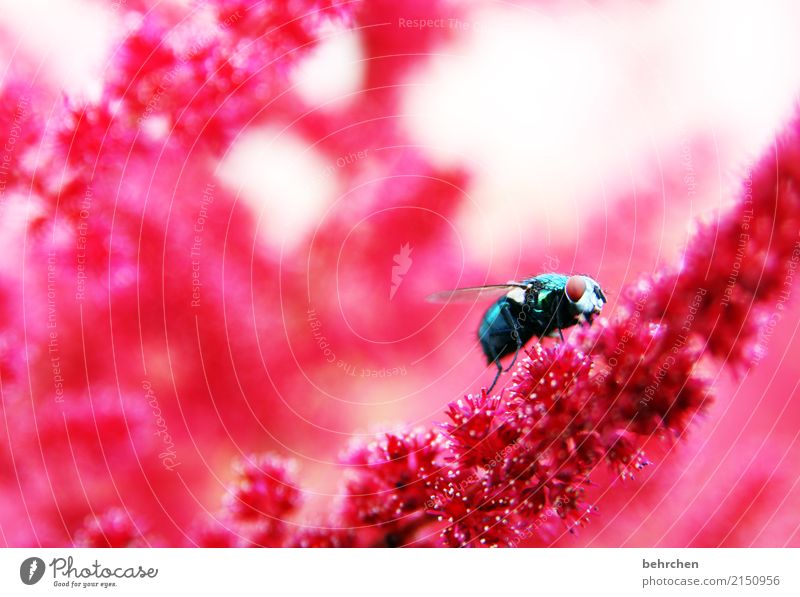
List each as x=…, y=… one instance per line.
x=474, y=293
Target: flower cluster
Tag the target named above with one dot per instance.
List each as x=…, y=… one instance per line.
x=259, y=502
x=114, y=528
x=741, y=264
x=508, y=462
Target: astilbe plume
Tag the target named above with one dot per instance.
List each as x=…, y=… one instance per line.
x=389, y=487
x=114, y=528
x=738, y=266
x=257, y=505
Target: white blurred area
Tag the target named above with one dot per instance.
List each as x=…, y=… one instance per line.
x=270, y=162
x=66, y=41
x=554, y=109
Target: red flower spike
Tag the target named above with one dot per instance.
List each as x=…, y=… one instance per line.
x=114, y=528
x=391, y=479
x=310, y=536
x=264, y=490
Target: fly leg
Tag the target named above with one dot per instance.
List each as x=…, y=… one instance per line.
x=497, y=375
x=512, y=323
x=562, y=346
x=515, y=326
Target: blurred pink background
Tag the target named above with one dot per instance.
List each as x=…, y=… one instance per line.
x=498, y=141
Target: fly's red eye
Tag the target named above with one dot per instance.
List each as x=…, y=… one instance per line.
x=575, y=288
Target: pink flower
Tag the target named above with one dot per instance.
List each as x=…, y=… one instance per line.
x=113, y=528
x=263, y=489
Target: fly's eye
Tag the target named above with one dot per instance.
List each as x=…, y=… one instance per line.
x=575, y=288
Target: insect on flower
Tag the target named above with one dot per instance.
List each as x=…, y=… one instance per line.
x=540, y=306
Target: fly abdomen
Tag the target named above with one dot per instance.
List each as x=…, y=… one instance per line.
x=504, y=327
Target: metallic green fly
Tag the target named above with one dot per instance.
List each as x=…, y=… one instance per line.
x=540, y=306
